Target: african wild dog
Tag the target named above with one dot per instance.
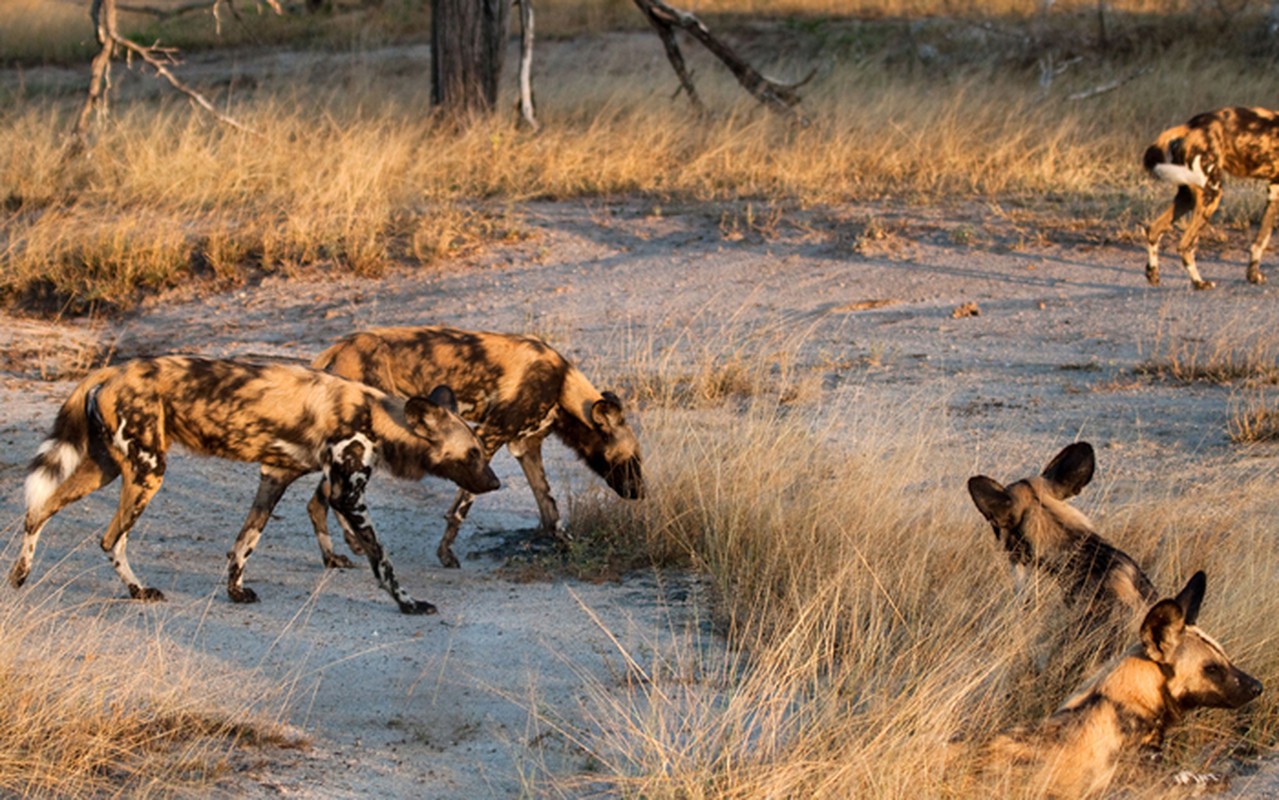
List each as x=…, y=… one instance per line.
x=517, y=390
x=1128, y=706
x=1040, y=530
x=1243, y=142
x=120, y=421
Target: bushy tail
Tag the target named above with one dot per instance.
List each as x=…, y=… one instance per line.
x=66, y=446
x=1166, y=159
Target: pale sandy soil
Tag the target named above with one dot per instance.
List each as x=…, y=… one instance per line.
x=444, y=706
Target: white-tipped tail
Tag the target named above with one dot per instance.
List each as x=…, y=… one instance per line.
x=54, y=463
x=1182, y=175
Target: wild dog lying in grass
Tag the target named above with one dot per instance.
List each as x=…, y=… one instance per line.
x=515, y=388
x=1243, y=142
x=1039, y=530
x=1129, y=706
x=122, y=420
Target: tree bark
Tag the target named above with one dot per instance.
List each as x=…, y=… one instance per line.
x=468, y=39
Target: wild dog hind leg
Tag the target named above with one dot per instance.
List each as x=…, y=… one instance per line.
x=1206, y=202
x=1182, y=204
x=88, y=476
x=271, y=486
x=1263, y=234
x=348, y=471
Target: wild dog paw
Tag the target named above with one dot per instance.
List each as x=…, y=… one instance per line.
x=1152, y=275
x=418, y=607
x=146, y=594
x=448, y=559
x=242, y=594
x=18, y=575
x=1255, y=276
x=337, y=561
x=1201, y=285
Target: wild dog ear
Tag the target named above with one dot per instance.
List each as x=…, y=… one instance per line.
x=606, y=413
x=1070, y=470
x=428, y=412
x=1161, y=630
x=992, y=501
x=1192, y=596
x=443, y=397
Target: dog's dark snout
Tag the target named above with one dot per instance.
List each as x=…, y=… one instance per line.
x=1253, y=686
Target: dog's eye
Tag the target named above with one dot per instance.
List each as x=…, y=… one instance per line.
x=1215, y=672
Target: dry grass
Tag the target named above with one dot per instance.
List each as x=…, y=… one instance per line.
x=354, y=176
x=1229, y=352
x=875, y=641
x=90, y=711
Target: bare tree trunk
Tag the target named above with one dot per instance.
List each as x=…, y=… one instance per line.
x=527, y=111
x=468, y=40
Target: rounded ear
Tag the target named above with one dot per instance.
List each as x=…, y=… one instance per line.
x=992, y=501
x=606, y=412
x=1161, y=630
x=443, y=397
x=1071, y=470
x=1192, y=596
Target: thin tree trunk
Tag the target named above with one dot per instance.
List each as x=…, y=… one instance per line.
x=527, y=111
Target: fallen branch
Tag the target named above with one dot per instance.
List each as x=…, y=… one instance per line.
x=780, y=97
x=1108, y=86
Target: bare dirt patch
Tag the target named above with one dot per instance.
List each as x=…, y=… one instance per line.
x=457, y=705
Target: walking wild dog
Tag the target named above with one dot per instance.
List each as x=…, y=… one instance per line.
x=1243, y=142
x=517, y=390
x=120, y=421
x=1128, y=706
x=1039, y=530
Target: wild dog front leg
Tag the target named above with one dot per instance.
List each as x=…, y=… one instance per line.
x=348, y=475
x=1263, y=235
x=455, y=517
x=271, y=485
x=141, y=475
x=318, y=510
x=529, y=453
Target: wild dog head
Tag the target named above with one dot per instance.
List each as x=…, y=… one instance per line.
x=1199, y=673
x=608, y=445
x=1030, y=517
x=456, y=451
x=1039, y=530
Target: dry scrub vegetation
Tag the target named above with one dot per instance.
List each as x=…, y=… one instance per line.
x=348, y=170
x=86, y=714
x=876, y=641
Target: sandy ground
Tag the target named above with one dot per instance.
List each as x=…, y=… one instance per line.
x=456, y=705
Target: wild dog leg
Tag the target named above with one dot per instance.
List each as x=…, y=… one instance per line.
x=455, y=517
x=1182, y=204
x=1206, y=202
x=142, y=475
x=348, y=476
x=318, y=510
x=271, y=486
x=1263, y=234
x=529, y=453
x=90, y=475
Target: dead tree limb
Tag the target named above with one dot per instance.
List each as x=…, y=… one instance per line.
x=527, y=111
x=779, y=97
x=105, y=15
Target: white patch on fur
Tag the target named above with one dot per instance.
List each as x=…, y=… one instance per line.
x=1182, y=175
x=59, y=460
x=369, y=455
x=300, y=453
x=123, y=445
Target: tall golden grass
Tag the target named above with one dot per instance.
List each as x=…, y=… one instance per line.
x=875, y=641
x=346, y=169
x=91, y=712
